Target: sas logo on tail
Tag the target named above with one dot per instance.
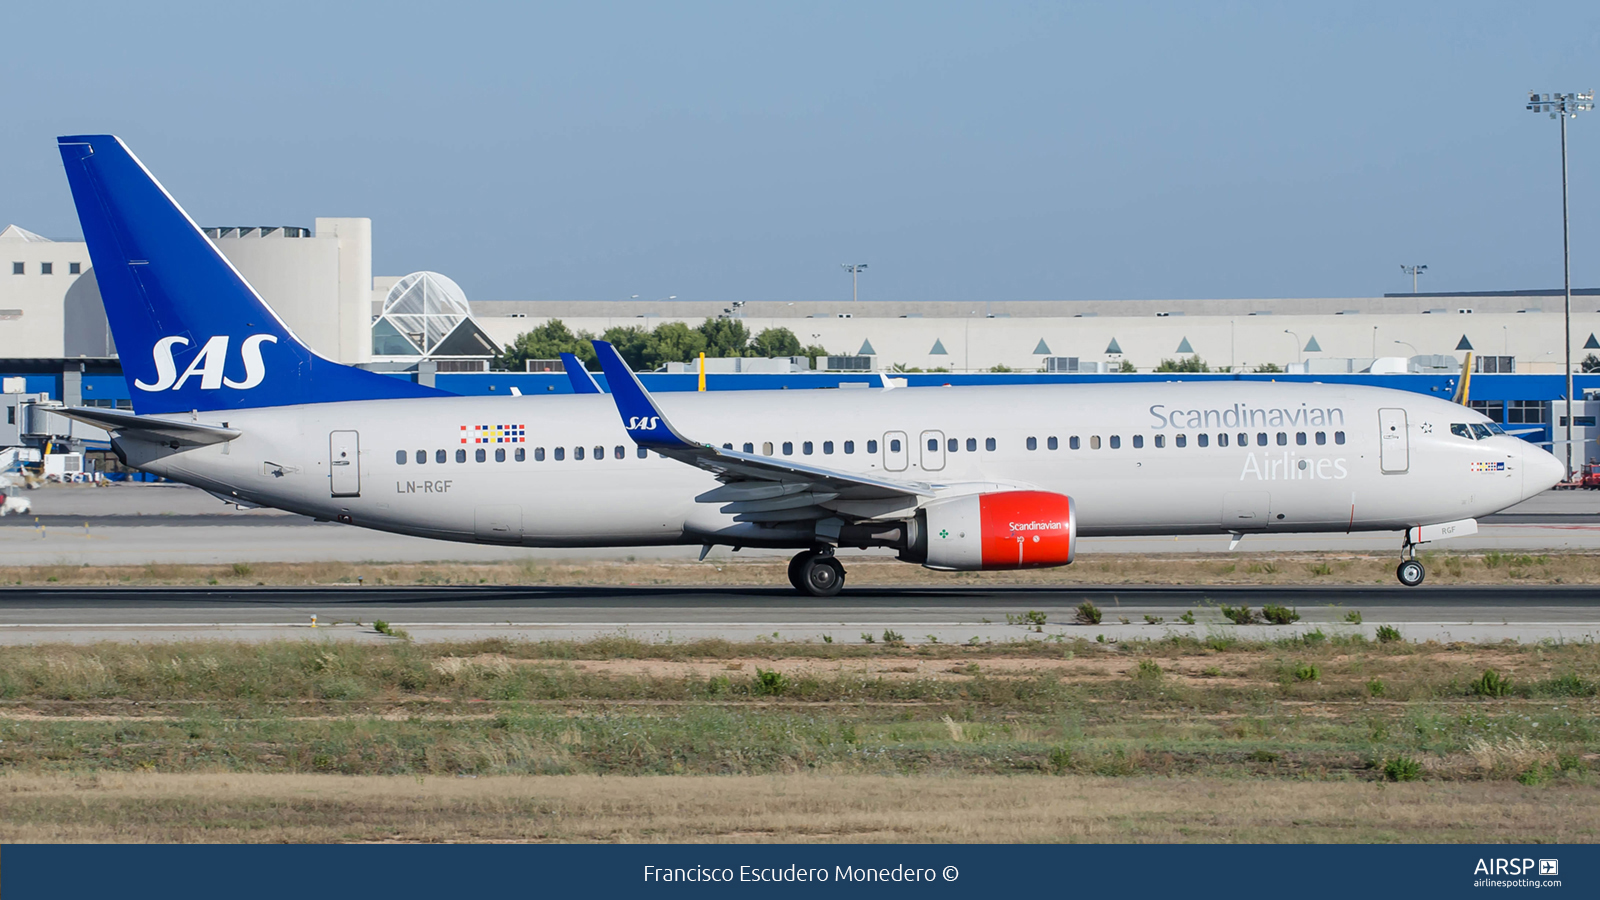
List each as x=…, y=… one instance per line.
x=208, y=364
x=644, y=423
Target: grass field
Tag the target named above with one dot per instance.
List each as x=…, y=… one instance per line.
x=1332, y=738
x=1233, y=568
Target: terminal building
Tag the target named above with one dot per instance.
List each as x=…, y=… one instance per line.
x=55, y=344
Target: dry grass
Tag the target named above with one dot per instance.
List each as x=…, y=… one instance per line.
x=1259, y=568
x=810, y=808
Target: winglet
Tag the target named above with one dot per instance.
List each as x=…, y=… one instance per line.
x=644, y=422
x=582, y=381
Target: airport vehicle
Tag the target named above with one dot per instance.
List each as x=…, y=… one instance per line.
x=964, y=478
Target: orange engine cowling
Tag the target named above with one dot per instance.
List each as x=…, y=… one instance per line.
x=1004, y=530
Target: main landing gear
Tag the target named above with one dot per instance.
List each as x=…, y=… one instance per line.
x=1410, y=571
x=816, y=572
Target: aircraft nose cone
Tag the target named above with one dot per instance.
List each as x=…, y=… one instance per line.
x=1541, y=471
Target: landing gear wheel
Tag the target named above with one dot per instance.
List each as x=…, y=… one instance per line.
x=821, y=576
x=796, y=566
x=1410, y=573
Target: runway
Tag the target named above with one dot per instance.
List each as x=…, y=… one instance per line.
x=950, y=615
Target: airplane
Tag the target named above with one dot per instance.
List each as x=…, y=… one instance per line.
x=228, y=399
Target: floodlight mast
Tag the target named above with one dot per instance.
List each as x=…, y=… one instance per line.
x=1563, y=107
x=855, y=270
x=1413, y=271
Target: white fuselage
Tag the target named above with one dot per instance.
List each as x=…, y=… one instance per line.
x=1335, y=458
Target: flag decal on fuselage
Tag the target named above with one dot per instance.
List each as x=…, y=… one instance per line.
x=494, y=434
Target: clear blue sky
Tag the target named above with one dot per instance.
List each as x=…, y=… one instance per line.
x=745, y=150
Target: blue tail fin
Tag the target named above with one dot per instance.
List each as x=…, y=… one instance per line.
x=191, y=331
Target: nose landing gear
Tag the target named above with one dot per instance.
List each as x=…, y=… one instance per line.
x=1410, y=571
x=816, y=572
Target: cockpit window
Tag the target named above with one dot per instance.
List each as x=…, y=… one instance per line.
x=1496, y=429
x=1461, y=430
x=1481, y=432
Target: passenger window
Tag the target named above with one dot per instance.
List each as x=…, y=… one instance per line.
x=727, y=446
x=1481, y=432
x=480, y=455
x=972, y=445
x=1138, y=441
x=522, y=454
x=400, y=457
x=1180, y=440
x=1072, y=442
x=499, y=454
x=1116, y=442
x=749, y=447
x=1052, y=443
x=827, y=448
x=1322, y=438
x=422, y=457
x=988, y=443
x=933, y=445
x=561, y=454
x=1203, y=439
x=849, y=447
x=1460, y=430
x=1161, y=441
x=1094, y=442
x=461, y=456
x=641, y=453
x=1261, y=439
x=1222, y=439
x=599, y=453
x=952, y=445
x=620, y=452
x=788, y=448
x=766, y=448
x=806, y=448
x=1283, y=439
x=439, y=456
x=1244, y=439
x=1338, y=437
x=1300, y=438
x=577, y=453
x=1033, y=443
x=894, y=446
x=872, y=446
x=538, y=454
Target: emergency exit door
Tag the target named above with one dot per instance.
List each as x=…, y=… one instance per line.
x=344, y=463
x=1394, y=448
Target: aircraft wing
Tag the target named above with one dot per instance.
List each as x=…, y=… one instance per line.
x=149, y=428
x=756, y=488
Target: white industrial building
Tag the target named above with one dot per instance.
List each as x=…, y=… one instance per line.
x=320, y=281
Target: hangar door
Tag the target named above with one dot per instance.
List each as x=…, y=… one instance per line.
x=344, y=463
x=1394, y=450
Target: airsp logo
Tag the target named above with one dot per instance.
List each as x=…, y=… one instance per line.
x=644, y=423
x=209, y=364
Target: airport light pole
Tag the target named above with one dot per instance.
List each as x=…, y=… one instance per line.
x=855, y=271
x=1412, y=346
x=1413, y=271
x=1562, y=107
x=1296, y=343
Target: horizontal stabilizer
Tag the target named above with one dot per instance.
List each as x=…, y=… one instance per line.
x=149, y=428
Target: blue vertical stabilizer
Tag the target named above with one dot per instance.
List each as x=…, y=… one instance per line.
x=192, y=333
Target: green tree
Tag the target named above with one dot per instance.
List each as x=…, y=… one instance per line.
x=1126, y=367
x=1187, y=364
x=1590, y=364
x=725, y=337
x=631, y=342
x=673, y=342
x=775, y=342
x=813, y=351
x=547, y=341
x=1001, y=368
x=1269, y=369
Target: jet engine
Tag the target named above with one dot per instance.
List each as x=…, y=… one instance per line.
x=1002, y=530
